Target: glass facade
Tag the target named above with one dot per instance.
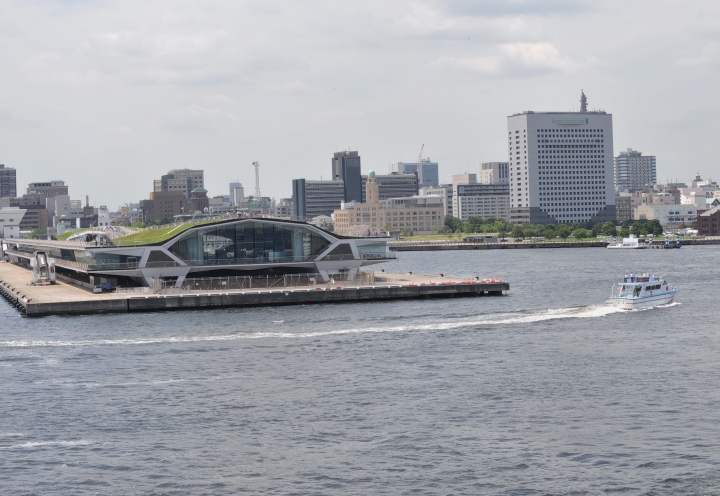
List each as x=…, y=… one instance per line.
x=373, y=250
x=249, y=242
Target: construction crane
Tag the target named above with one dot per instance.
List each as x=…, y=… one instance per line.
x=257, y=180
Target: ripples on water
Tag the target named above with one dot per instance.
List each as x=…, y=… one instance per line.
x=542, y=392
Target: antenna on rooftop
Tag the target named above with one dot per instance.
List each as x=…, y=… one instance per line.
x=583, y=102
x=257, y=180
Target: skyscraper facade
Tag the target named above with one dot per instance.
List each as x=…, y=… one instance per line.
x=634, y=171
x=561, y=167
x=346, y=168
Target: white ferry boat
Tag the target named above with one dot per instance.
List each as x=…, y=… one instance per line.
x=641, y=291
x=631, y=243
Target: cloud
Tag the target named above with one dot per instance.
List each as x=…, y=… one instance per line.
x=501, y=8
x=218, y=99
x=120, y=130
x=710, y=56
x=291, y=87
x=198, y=112
x=513, y=59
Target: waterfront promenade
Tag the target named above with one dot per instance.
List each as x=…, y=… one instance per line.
x=527, y=244
x=68, y=299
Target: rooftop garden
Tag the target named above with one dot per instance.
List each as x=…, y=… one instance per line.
x=159, y=234
x=67, y=234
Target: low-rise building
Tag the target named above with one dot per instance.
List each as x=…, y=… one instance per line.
x=445, y=191
x=483, y=200
x=623, y=208
x=393, y=185
x=419, y=213
x=164, y=205
x=668, y=215
x=183, y=180
x=10, y=219
x=48, y=188
x=708, y=223
x=284, y=209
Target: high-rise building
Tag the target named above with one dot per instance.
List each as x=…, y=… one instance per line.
x=346, y=168
x=561, y=167
x=8, y=182
x=237, y=193
x=494, y=173
x=634, y=171
x=183, y=180
x=313, y=198
x=393, y=185
x=426, y=171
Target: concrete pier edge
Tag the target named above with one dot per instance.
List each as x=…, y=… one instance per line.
x=137, y=303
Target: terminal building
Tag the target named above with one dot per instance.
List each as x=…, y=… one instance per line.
x=561, y=167
x=247, y=247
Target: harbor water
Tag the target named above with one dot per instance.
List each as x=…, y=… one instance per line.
x=545, y=391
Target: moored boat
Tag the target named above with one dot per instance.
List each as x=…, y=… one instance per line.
x=627, y=243
x=641, y=291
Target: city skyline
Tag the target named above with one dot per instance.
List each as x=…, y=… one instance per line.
x=129, y=91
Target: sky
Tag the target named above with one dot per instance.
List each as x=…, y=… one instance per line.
x=111, y=95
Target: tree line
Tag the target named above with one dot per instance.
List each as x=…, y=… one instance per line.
x=550, y=231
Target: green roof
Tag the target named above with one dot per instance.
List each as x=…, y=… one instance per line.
x=155, y=236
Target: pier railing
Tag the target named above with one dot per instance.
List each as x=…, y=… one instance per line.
x=309, y=280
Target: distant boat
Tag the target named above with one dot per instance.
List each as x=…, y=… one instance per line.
x=631, y=243
x=641, y=291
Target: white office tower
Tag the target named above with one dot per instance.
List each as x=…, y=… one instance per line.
x=634, y=171
x=561, y=167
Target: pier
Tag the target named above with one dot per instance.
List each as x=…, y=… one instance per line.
x=66, y=298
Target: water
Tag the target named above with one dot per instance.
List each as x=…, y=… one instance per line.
x=541, y=392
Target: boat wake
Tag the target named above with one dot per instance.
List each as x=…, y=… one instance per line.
x=489, y=320
x=40, y=444
x=665, y=305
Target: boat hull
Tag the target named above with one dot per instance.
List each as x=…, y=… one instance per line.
x=626, y=247
x=642, y=302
